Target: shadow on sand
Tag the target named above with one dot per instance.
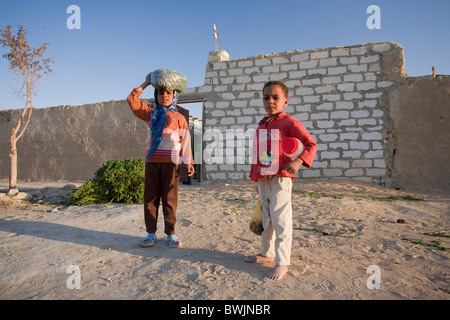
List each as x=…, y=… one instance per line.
x=125, y=243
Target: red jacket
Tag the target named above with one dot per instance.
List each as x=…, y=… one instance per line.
x=268, y=157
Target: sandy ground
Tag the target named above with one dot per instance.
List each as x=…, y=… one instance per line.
x=341, y=229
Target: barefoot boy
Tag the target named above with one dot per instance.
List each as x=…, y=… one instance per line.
x=168, y=138
x=273, y=172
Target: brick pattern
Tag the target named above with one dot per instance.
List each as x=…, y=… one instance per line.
x=337, y=93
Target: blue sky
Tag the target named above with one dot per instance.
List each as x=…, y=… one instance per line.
x=121, y=41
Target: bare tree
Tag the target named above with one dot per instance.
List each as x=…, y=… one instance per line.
x=29, y=66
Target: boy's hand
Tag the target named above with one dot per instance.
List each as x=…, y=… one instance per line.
x=190, y=169
x=147, y=82
x=293, y=166
x=147, y=79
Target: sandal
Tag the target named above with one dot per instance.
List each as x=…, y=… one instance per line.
x=174, y=242
x=149, y=241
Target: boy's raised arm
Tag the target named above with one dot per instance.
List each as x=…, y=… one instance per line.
x=140, y=109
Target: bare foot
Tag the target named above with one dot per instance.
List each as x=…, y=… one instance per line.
x=258, y=259
x=278, y=273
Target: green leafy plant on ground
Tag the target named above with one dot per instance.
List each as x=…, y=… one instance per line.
x=438, y=234
x=432, y=243
x=396, y=198
x=120, y=181
x=319, y=195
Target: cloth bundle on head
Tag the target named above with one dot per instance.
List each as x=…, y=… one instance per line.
x=169, y=80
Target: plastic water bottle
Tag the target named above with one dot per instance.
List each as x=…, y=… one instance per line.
x=292, y=147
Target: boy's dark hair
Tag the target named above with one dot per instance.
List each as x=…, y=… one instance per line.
x=277, y=83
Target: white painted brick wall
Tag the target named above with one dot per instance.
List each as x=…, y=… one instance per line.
x=335, y=92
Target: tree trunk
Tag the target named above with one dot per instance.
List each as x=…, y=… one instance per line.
x=16, y=134
x=13, y=156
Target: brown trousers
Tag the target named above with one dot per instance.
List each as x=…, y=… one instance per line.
x=161, y=183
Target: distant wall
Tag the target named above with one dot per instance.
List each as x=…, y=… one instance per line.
x=419, y=131
x=72, y=142
x=370, y=120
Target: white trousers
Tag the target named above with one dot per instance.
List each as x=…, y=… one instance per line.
x=275, y=195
